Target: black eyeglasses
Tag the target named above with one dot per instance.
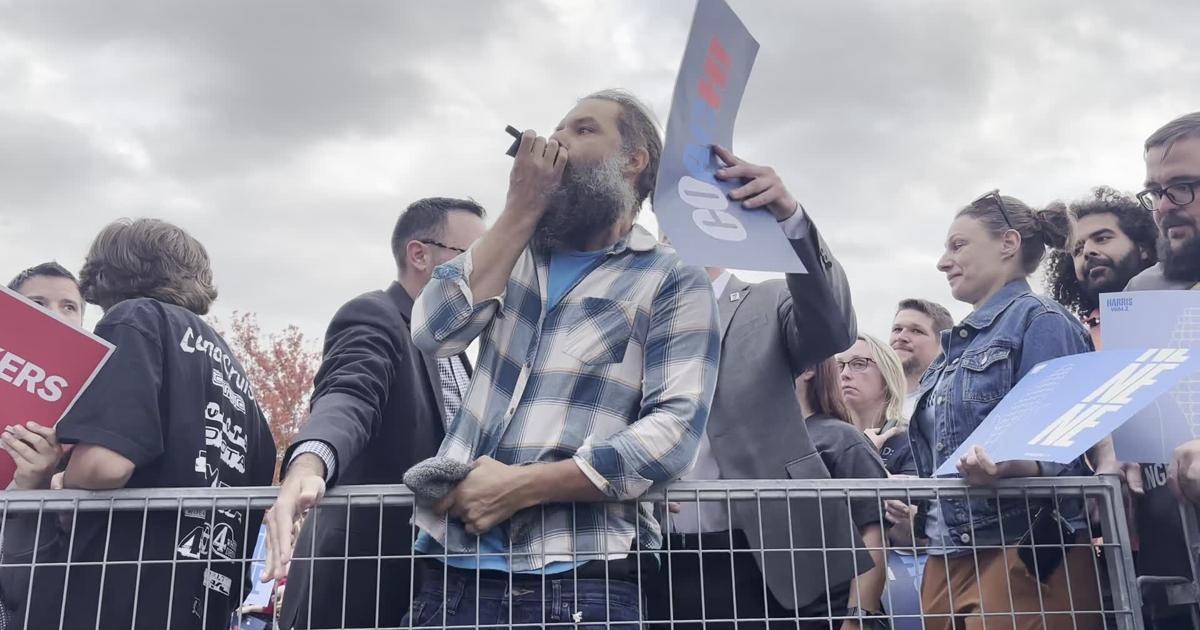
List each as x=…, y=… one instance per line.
x=1180, y=194
x=428, y=241
x=857, y=364
x=995, y=196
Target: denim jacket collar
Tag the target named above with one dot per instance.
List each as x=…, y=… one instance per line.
x=986, y=315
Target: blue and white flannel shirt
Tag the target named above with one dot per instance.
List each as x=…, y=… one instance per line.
x=619, y=377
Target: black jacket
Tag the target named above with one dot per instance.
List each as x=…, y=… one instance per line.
x=378, y=403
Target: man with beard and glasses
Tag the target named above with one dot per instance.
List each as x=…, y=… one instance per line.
x=1172, y=176
x=1112, y=240
x=598, y=353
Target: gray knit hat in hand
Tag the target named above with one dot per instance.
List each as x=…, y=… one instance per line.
x=434, y=478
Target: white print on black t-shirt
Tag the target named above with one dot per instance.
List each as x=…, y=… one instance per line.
x=224, y=541
x=220, y=538
x=1154, y=476
x=220, y=432
x=217, y=582
x=194, y=544
x=211, y=473
x=232, y=515
x=236, y=400
x=193, y=342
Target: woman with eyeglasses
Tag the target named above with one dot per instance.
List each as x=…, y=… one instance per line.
x=873, y=387
x=847, y=454
x=980, y=562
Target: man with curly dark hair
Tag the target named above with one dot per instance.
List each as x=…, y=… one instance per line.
x=1112, y=240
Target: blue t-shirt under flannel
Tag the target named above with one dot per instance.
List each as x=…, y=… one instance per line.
x=566, y=268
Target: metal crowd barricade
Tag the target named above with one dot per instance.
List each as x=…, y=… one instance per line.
x=350, y=511
x=1181, y=591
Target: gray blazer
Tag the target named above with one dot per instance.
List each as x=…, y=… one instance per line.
x=771, y=332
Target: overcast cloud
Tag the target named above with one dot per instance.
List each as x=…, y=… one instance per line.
x=287, y=136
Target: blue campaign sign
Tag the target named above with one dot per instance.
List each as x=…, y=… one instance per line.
x=260, y=593
x=690, y=203
x=1062, y=407
x=1160, y=319
x=902, y=595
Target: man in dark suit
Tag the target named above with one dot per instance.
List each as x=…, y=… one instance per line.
x=771, y=332
x=379, y=406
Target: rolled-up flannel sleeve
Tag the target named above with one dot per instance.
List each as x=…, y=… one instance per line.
x=682, y=352
x=1050, y=335
x=445, y=318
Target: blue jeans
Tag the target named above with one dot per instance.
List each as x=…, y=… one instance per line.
x=464, y=601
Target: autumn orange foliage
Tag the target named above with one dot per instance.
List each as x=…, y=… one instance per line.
x=280, y=366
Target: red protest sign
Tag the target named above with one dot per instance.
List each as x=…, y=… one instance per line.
x=45, y=364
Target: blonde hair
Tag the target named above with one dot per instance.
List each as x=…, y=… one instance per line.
x=895, y=386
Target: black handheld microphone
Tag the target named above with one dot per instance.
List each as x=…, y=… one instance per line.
x=516, y=133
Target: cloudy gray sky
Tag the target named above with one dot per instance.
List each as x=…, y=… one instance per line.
x=287, y=135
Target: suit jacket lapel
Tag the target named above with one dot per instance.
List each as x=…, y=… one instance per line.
x=731, y=298
x=405, y=303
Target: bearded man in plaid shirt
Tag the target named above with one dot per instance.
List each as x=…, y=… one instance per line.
x=597, y=365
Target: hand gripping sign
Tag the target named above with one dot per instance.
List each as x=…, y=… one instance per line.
x=1064, y=406
x=45, y=364
x=691, y=204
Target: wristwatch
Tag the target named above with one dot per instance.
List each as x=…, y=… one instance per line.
x=869, y=618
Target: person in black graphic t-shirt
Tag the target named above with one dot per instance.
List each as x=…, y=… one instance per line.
x=171, y=408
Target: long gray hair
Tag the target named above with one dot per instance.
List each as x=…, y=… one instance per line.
x=639, y=130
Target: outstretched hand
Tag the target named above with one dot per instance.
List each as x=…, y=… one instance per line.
x=303, y=487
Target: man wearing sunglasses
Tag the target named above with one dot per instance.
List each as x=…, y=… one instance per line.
x=379, y=406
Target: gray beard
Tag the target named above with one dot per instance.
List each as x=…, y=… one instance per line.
x=590, y=200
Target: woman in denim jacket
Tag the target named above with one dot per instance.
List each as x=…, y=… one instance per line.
x=992, y=247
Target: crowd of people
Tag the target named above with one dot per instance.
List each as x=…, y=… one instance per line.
x=606, y=370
